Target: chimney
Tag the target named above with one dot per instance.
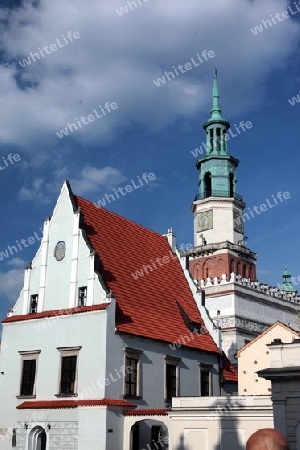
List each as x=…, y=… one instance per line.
x=171, y=236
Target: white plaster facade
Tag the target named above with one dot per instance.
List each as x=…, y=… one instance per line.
x=243, y=309
x=91, y=334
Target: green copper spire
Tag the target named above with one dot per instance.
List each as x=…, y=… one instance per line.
x=216, y=109
x=217, y=169
x=216, y=112
x=287, y=284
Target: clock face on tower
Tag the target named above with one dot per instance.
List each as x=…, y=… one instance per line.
x=205, y=220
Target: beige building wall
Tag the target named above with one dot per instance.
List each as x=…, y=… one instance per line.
x=213, y=423
x=256, y=356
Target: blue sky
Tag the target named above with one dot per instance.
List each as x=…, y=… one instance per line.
x=154, y=129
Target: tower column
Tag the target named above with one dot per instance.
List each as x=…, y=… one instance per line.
x=218, y=210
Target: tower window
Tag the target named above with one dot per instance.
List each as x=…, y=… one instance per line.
x=82, y=294
x=207, y=184
x=218, y=140
x=211, y=135
x=231, y=185
x=33, y=304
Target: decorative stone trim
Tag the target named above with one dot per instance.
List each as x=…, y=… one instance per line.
x=270, y=291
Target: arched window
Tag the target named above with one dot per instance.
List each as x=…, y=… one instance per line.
x=231, y=269
x=220, y=268
x=231, y=185
x=37, y=439
x=207, y=184
x=244, y=271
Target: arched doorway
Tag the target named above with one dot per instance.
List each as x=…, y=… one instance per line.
x=150, y=434
x=37, y=439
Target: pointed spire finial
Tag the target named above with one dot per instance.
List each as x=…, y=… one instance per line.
x=216, y=109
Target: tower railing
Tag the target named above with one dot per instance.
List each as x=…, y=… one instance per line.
x=215, y=193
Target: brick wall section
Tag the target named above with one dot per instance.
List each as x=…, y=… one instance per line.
x=216, y=266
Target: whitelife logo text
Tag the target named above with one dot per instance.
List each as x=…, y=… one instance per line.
x=48, y=49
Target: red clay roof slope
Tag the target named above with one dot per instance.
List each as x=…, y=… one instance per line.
x=228, y=371
x=56, y=313
x=147, y=412
x=58, y=404
x=157, y=304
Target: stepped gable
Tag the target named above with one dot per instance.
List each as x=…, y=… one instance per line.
x=150, y=306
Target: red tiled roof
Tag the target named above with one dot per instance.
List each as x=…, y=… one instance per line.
x=147, y=412
x=58, y=404
x=228, y=371
x=56, y=312
x=156, y=304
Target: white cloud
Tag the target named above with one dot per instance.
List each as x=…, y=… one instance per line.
x=92, y=179
x=16, y=262
x=117, y=59
x=34, y=192
x=89, y=179
x=11, y=283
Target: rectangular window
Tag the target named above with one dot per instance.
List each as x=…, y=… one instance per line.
x=131, y=377
x=205, y=383
x=28, y=377
x=82, y=293
x=171, y=381
x=171, y=377
x=33, y=304
x=14, y=438
x=205, y=379
x=132, y=382
x=68, y=375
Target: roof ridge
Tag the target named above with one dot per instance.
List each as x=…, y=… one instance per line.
x=266, y=331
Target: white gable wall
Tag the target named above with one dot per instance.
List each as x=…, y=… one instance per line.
x=57, y=282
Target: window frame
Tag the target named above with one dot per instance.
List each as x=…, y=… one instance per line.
x=206, y=368
x=14, y=438
x=133, y=354
x=85, y=296
x=66, y=352
x=32, y=298
x=175, y=362
x=28, y=355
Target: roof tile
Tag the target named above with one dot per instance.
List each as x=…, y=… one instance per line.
x=151, y=305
